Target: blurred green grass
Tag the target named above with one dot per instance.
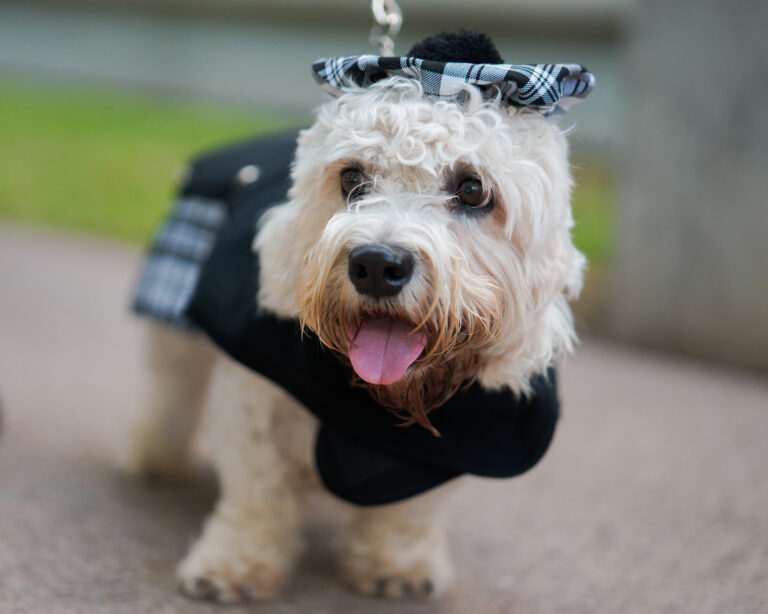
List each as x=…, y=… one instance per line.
x=103, y=161
x=81, y=157
x=593, y=209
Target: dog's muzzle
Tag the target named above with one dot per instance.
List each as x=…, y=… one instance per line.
x=380, y=270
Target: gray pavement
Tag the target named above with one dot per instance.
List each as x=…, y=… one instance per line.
x=653, y=498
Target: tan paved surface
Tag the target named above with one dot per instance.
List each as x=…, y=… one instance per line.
x=653, y=498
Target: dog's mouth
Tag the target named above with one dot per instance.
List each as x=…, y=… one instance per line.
x=382, y=349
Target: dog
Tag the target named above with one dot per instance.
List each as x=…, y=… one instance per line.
x=426, y=242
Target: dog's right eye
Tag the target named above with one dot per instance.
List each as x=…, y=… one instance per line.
x=352, y=182
x=472, y=195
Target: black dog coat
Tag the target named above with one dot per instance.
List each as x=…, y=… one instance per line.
x=362, y=455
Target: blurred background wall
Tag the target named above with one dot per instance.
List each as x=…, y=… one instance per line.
x=259, y=51
x=691, y=271
x=679, y=256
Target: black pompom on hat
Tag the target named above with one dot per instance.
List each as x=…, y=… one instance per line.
x=463, y=46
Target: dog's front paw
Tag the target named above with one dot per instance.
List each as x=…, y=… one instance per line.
x=231, y=564
x=408, y=584
x=407, y=571
x=231, y=580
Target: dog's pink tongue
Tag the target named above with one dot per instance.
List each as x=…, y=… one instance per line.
x=382, y=349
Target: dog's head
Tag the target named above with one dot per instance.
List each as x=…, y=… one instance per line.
x=427, y=242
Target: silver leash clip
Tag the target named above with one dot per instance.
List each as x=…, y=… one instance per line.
x=388, y=19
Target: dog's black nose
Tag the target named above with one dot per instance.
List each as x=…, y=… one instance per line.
x=380, y=270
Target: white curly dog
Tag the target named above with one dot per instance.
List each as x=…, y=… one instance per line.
x=441, y=227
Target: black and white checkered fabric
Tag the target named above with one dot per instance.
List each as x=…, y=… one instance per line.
x=176, y=255
x=547, y=88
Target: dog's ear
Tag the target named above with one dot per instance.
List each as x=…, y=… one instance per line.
x=461, y=46
x=279, y=259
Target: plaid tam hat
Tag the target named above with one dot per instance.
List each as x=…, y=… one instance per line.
x=548, y=88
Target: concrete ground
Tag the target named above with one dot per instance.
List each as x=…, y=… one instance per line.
x=653, y=498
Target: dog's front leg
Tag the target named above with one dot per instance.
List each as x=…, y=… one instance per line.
x=400, y=550
x=250, y=541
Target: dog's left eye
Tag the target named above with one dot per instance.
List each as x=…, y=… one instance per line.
x=472, y=195
x=352, y=183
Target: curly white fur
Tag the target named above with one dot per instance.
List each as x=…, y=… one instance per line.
x=518, y=264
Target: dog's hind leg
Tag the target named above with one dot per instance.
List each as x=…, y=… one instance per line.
x=249, y=543
x=400, y=550
x=178, y=366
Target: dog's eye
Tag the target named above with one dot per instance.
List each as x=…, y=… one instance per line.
x=472, y=195
x=352, y=183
